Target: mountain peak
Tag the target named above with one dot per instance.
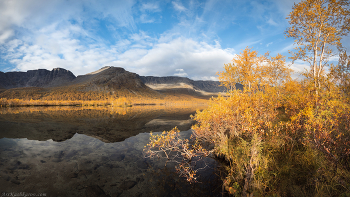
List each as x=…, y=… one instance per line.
x=58, y=69
x=105, y=68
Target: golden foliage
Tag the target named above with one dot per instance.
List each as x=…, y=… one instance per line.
x=316, y=25
x=238, y=124
x=119, y=101
x=273, y=134
x=340, y=74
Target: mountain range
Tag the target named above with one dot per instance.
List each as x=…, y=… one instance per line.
x=107, y=81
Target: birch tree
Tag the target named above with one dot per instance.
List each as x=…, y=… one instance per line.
x=318, y=27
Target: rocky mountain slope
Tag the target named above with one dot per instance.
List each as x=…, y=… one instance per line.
x=103, y=83
x=109, y=78
x=108, y=82
x=36, y=78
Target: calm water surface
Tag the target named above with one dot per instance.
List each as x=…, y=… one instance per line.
x=74, y=151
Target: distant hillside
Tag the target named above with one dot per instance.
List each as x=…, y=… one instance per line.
x=108, y=82
x=172, y=82
x=110, y=78
x=36, y=78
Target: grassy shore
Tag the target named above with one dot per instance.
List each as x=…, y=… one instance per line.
x=122, y=102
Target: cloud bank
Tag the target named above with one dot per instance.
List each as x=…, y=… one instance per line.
x=160, y=38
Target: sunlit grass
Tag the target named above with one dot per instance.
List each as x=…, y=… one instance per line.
x=121, y=102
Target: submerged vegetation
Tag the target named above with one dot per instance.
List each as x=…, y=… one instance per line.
x=279, y=136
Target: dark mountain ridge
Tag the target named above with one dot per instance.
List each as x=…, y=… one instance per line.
x=107, y=80
x=36, y=78
x=107, y=76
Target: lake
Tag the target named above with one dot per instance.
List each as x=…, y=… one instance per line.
x=94, y=151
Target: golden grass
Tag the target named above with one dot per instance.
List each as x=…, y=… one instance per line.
x=121, y=101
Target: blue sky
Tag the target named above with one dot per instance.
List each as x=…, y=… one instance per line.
x=160, y=38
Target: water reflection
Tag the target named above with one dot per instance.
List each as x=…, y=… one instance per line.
x=66, y=154
x=106, y=124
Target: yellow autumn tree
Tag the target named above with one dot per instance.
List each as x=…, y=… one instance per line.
x=319, y=110
x=270, y=134
x=237, y=125
x=340, y=74
x=279, y=136
x=317, y=26
x=244, y=69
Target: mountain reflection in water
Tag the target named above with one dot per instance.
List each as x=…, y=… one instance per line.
x=74, y=151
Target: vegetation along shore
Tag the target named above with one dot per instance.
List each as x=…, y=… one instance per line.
x=278, y=136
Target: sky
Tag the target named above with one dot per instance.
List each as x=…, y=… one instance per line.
x=188, y=38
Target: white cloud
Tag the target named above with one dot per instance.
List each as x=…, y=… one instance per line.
x=140, y=53
x=180, y=73
x=120, y=12
x=147, y=11
x=298, y=67
x=11, y=45
x=47, y=38
x=5, y=35
x=34, y=14
x=87, y=35
x=47, y=49
x=141, y=36
x=154, y=7
x=258, y=8
x=272, y=22
x=199, y=58
x=207, y=78
x=284, y=6
x=144, y=18
x=287, y=48
x=247, y=43
x=268, y=44
x=178, y=6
